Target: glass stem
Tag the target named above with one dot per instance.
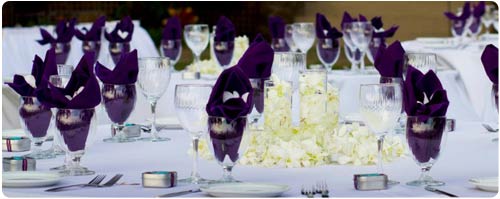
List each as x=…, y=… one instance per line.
x=226, y=175
x=194, y=173
x=154, y=133
x=424, y=176
x=37, y=145
x=380, y=145
x=362, y=62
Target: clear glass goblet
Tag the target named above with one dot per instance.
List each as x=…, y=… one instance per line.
x=62, y=51
x=328, y=51
x=380, y=106
x=171, y=49
x=76, y=127
x=279, y=45
x=289, y=38
x=303, y=36
x=92, y=46
x=255, y=116
x=373, y=47
x=197, y=37
x=402, y=118
x=488, y=18
x=426, y=137
x=459, y=29
x=223, y=51
x=153, y=80
x=424, y=62
x=474, y=27
x=119, y=102
x=116, y=49
x=36, y=121
x=228, y=142
x=360, y=35
x=190, y=102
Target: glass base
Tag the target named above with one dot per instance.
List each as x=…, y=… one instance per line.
x=224, y=180
x=77, y=171
x=59, y=168
x=115, y=139
x=57, y=152
x=152, y=139
x=192, y=180
x=41, y=155
x=428, y=182
x=392, y=182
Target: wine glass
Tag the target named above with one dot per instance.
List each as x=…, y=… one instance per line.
x=380, y=107
x=373, y=47
x=153, y=80
x=289, y=38
x=257, y=103
x=229, y=140
x=92, y=46
x=75, y=127
x=172, y=49
x=459, y=29
x=490, y=117
x=488, y=18
x=328, y=51
x=190, y=102
x=119, y=102
x=62, y=51
x=303, y=36
x=279, y=45
x=424, y=62
x=426, y=137
x=223, y=51
x=359, y=37
x=474, y=27
x=196, y=37
x=116, y=49
x=36, y=121
x=402, y=118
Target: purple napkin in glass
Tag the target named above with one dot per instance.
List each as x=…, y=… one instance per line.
x=64, y=31
x=420, y=88
x=362, y=18
x=346, y=18
x=489, y=58
x=41, y=70
x=387, y=33
x=479, y=9
x=231, y=95
x=377, y=22
x=94, y=34
x=322, y=24
x=389, y=62
x=123, y=31
x=125, y=71
x=83, y=75
x=172, y=30
x=225, y=30
x=277, y=27
x=257, y=60
x=463, y=16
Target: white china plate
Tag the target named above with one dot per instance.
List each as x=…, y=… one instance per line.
x=168, y=123
x=489, y=184
x=21, y=179
x=252, y=190
x=437, y=42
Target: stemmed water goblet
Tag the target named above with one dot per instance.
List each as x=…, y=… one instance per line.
x=119, y=102
x=289, y=38
x=475, y=27
x=303, y=36
x=153, y=80
x=359, y=37
x=223, y=51
x=255, y=116
x=92, y=46
x=380, y=107
x=172, y=49
x=373, y=47
x=62, y=51
x=116, y=49
x=190, y=102
x=328, y=51
x=424, y=62
x=197, y=37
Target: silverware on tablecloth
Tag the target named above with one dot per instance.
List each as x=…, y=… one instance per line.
x=489, y=128
x=98, y=179
x=433, y=189
x=322, y=188
x=179, y=193
x=109, y=183
x=307, y=192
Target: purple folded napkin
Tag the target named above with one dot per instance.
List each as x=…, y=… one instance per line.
x=257, y=60
x=389, y=62
x=41, y=70
x=377, y=22
x=173, y=29
x=479, y=9
x=463, y=16
x=231, y=95
x=277, y=27
x=387, y=33
x=125, y=71
x=489, y=58
x=362, y=18
x=225, y=30
x=322, y=24
x=123, y=31
x=78, y=98
x=94, y=34
x=64, y=31
x=424, y=95
x=346, y=18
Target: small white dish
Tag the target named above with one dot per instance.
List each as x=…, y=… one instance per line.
x=252, y=190
x=489, y=184
x=24, y=179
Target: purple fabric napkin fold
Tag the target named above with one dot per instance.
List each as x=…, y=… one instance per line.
x=83, y=75
x=123, y=31
x=322, y=24
x=489, y=58
x=257, y=60
x=387, y=33
x=173, y=29
x=479, y=9
x=94, y=34
x=377, y=22
x=64, y=32
x=420, y=88
x=125, y=71
x=463, y=16
x=41, y=70
x=389, y=62
x=346, y=18
x=225, y=30
x=362, y=18
x=231, y=95
x=277, y=27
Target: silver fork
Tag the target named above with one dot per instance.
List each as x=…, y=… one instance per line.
x=112, y=181
x=94, y=182
x=322, y=188
x=307, y=192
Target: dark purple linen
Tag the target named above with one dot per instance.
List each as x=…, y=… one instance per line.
x=122, y=28
x=257, y=60
x=489, y=58
x=125, y=71
x=94, y=34
x=479, y=9
x=35, y=116
x=172, y=30
x=226, y=137
x=74, y=126
x=119, y=101
x=424, y=137
x=389, y=62
x=64, y=33
x=225, y=30
x=277, y=27
x=377, y=22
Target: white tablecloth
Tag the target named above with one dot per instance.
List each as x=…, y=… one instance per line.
x=469, y=153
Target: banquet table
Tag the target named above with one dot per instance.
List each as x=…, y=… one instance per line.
x=468, y=152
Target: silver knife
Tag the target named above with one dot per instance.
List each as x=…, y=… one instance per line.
x=432, y=189
x=179, y=193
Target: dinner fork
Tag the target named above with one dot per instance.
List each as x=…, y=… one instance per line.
x=98, y=179
x=322, y=188
x=307, y=192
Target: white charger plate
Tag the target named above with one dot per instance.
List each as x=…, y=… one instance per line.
x=20, y=179
x=489, y=184
x=252, y=190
